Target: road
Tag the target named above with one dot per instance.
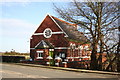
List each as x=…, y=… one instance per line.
x=18, y=71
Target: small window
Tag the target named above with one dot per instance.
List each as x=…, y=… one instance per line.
x=62, y=55
x=39, y=54
x=73, y=46
x=81, y=47
x=86, y=47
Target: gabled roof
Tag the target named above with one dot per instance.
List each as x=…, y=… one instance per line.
x=71, y=30
x=43, y=45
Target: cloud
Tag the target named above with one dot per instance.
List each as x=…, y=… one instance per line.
x=16, y=28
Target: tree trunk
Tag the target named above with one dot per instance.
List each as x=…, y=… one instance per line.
x=118, y=59
x=93, y=64
x=110, y=64
x=100, y=55
x=118, y=53
x=100, y=61
x=100, y=37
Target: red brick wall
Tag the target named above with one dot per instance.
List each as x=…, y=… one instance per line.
x=45, y=54
x=32, y=53
x=47, y=23
x=57, y=40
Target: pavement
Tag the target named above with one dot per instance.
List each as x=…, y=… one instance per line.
x=20, y=72
x=69, y=69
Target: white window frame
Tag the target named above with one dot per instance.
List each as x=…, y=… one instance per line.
x=39, y=53
x=86, y=47
x=62, y=55
x=73, y=46
x=80, y=47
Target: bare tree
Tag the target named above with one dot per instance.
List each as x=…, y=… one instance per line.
x=110, y=47
x=118, y=52
x=95, y=19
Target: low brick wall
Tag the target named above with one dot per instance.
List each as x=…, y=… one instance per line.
x=76, y=64
x=34, y=62
x=73, y=64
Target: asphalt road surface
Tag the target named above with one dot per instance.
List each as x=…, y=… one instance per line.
x=18, y=71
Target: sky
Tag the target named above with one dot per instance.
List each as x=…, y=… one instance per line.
x=20, y=18
x=18, y=21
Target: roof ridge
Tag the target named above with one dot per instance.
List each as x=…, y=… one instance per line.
x=64, y=21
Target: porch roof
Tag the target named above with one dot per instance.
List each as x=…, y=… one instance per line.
x=44, y=45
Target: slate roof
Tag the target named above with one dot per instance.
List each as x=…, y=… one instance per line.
x=44, y=44
x=71, y=30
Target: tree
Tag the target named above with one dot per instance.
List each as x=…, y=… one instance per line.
x=118, y=52
x=111, y=43
x=95, y=20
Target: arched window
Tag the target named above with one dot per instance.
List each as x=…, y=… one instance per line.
x=74, y=46
x=86, y=47
x=81, y=47
x=70, y=44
